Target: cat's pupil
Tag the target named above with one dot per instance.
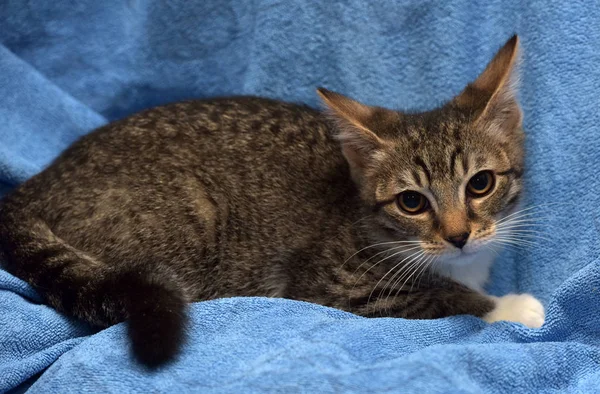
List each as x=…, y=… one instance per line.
x=411, y=200
x=479, y=181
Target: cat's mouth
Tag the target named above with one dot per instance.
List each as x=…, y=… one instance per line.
x=462, y=257
x=466, y=254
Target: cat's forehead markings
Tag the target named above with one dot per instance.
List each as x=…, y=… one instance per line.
x=455, y=162
x=423, y=167
x=480, y=161
x=418, y=178
x=407, y=179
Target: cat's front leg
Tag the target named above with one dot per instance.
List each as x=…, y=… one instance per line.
x=522, y=308
x=451, y=299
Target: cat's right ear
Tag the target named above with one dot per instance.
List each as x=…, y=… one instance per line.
x=359, y=142
x=492, y=97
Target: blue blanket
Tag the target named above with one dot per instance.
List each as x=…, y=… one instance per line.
x=68, y=67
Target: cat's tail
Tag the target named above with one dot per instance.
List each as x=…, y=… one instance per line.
x=80, y=285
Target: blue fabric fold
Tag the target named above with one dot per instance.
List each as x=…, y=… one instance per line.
x=67, y=68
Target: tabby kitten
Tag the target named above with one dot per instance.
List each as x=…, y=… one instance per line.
x=255, y=197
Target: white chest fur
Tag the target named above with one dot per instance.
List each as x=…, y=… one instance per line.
x=471, y=270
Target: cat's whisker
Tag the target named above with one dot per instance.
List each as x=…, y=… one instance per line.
x=525, y=225
x=533, y=221
x=402, y=267
x=524, y=234
x=383, y=252
x=414, y=264
x=511, y=237
x=379, y=262
x=539, y=222
x=408, y=279
x=512, y=248
x=527, y=216
x=520, y=233
x=524, y=237
x=516, y=215
x=425, y=267
x=531, y=208
x=405, y=268
x=388, y=272
x=361, y=219
x=489, y=246
x=515, y=242
x=521, y=229
x=414, y=267
x=434, y=265
x=375, y=245
x=518, y=230
x=382, y=260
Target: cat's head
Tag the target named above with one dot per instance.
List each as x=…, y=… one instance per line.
x=445, y=177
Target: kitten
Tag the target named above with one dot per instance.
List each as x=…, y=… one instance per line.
x=380, y=213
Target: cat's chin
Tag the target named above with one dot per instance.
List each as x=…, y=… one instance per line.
x=463, y=257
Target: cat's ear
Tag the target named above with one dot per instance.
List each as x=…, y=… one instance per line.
x=492, y=97
x=359, y=142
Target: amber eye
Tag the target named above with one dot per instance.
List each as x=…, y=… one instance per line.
x=480, y=184
x=412, y=202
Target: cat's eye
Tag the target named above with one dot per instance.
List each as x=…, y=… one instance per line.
x=480, y=184
x=412, y=202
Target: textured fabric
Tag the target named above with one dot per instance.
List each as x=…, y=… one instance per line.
x=68, y=67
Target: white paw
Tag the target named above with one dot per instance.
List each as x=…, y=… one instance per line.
x=520, y=308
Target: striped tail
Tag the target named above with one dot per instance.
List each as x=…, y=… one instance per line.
x=79, y=285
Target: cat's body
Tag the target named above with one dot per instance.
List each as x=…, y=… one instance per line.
x=251, y=197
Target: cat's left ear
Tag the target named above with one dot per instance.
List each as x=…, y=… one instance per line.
x=356, y=124
x=492, y=97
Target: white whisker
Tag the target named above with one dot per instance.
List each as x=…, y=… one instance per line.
x=380, y=261
x=527, y=234
x=378, y=244
x=530, y=208
x=425, y=267
x=408, y=267
x=510, y=237
x=387, y=273
x=408, y=279
x=532, y=222
x=515, y=242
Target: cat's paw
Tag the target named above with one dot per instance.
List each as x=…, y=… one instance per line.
x=520, y=308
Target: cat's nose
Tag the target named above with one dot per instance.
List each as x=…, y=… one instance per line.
x=458, y=240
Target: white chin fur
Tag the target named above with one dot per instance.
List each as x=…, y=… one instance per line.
x=472, y=269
